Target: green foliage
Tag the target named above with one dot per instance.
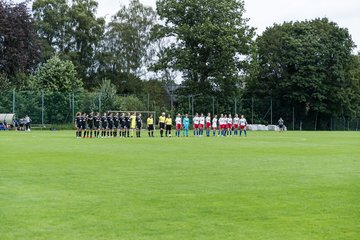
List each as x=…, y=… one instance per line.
x=56, y=75
x=19, y=45
x=87, y=33
x=108, y=95
x=111, y=101
x=87, y=101
x=73, y=31
x=212, y=44
x=125, y=50
x=52, y=19
x=57, y=107
x=159, y=99
x=128, y=35
x=353, y=92
x=6, y=104
x=5, y=83
x=129, y=103
x=306, y=65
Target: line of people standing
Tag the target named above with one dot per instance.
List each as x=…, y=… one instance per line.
x=224, y=125
x=126, y=125
x=108, y=125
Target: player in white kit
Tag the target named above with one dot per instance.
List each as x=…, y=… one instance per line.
x=196, y=121
x=178, y=124
x=208, y=124
x=222, y=124
x=236, y=123
x=229, y=125
x=201, y=124
x=214, y=125
x=243, y=124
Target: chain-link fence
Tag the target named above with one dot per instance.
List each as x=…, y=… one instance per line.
x=60, y=108
x=265, y=111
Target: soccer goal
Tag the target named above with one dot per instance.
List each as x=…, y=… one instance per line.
x=144, y=115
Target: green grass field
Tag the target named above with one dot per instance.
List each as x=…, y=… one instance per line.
x=296, y=185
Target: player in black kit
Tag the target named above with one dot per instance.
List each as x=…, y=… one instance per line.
x=116, y=124
x=122, y=125
x=83, y=124
x=90, y=124
x=104, y=125
x=127, y=125
x=96, y=120
x=138, y=125
x=78, y=124
x=110, y=125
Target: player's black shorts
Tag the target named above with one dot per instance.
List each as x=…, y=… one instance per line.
x=162, y=125
x=281, y=126
x=104, y=126
x=96, y=126
x=116, y=125
x=83, y=126
x=151, y=127
x=110, y=126
x=90, y=126
x=168, y=127
x=127, y=126
x=78, y=126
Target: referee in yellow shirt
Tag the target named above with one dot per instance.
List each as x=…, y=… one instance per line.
x=150, y=125
x=162, y=124
x=133, y=123
x=168, y=122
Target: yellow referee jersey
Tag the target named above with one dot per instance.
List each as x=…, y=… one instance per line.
x=133, y=121
x=168, y=121
x=150, y=121
x=162, y=119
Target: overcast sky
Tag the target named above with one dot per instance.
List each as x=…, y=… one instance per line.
x=263, y=13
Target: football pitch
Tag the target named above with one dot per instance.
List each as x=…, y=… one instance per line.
x=270, y=185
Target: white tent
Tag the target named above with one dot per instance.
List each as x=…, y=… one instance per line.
x=8, y=117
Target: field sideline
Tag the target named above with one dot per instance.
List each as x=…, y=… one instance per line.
x=293, y=186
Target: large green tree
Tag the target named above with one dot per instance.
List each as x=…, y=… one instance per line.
x=57, y=80
x=212, y=42
x=57, y=75
x=353, y=96
x=72, y=31
x=305, y=65
x=19, y=46
x=52, y=21
x=125, y=50
x=87, y=32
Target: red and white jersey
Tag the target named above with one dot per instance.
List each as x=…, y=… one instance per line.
x=236, y=121
x=196, y=120
x=229, y=121
x=243, y=122
x=222, y=121
x=208, y=119
x=178, y=120
x=214, y=122
x=202, y=120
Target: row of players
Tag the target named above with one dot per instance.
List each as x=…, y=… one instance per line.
x=220, y=126
x=108, y=124
x=90, y=125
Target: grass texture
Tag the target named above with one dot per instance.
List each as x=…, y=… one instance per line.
x=269, y=185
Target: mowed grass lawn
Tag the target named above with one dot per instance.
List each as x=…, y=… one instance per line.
x=296, y=185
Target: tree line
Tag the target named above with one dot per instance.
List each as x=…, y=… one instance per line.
x=307, y=69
